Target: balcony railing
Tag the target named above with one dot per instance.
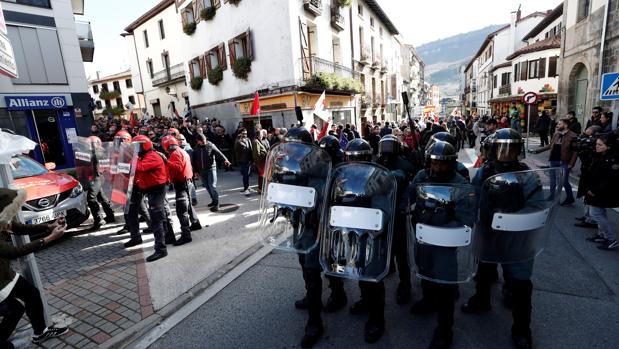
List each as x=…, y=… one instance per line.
x=505, y=90
x=84, y=36
x=375, y=63
x=365, y=55
x=337, y=19
x=313, y=6
x=319, y=65
x=172, y=74
x=383, y=66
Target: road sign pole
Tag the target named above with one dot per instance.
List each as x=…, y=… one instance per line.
x=528, y=125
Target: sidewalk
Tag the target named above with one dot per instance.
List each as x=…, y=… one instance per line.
x=108, y=294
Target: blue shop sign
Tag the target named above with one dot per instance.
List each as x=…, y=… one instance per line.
x=35, y=102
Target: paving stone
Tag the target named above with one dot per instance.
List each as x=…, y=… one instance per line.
x=101, y=337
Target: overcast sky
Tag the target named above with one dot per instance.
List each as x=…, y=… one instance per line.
x=418, y=21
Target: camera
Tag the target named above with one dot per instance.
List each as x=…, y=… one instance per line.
x=583, y=144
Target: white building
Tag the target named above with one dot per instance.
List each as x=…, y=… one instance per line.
x=412, y=74
x=49, y=101
x=113, y=94
x=158, y=62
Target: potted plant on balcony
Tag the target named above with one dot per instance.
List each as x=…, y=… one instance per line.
x=345, y=3
x=208, y=13
x=189, y=28
x=215, y=75
x=241, y=67
x=234, y=2
x=107, y=95
x=196, y=83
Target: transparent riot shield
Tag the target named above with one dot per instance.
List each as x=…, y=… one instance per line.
x=357, y=224
x=295, y=180
x=515, y=214
x=124, y=167
x=84, y=154
x=440, y=232
x=105, y=155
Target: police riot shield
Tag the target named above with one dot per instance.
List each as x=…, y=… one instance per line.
x=123, y=167
x=357, y=224
x=295, y=180
x=515, y=214
x=84, y=153
x=440, y=232
x=105, y=156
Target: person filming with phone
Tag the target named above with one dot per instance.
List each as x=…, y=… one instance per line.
x=17, y=295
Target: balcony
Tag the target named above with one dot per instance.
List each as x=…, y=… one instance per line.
x=337, y=19
x=167, y=76
x=365, y=55
x=474, y=89
x=84, y=36
x=473, y=104
x=319, y=65
x=375, y=63
x=467, y=89
x=313, y=6
x=505, y=90
x=383, y=67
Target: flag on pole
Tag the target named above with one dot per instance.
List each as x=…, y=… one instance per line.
x=255, y=108
x=343, y=140
x=319, y=107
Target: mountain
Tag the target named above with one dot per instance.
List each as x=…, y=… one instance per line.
x=444, y=57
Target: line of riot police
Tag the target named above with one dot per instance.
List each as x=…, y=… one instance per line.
x=351, y=218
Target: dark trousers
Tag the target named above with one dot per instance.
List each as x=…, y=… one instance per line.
x=543, y=137
x=94, y=192
x=142, y=210
x=182, y=208
x=137, y=207
x=13, y=309
x=209, y=181
x=156, y=210
x=168, y=230
x=442, y=297
x=400, y=251
x=472, y=139
x=373, y=294
x=245, y=168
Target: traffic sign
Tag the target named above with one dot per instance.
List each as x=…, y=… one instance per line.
x=530, y=98
x=610, y=87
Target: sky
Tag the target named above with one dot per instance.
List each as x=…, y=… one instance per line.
x=418, y=21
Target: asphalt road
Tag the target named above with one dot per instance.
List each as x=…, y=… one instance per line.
x=574, y=306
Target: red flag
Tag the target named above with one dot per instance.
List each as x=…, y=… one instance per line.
x=133, y=119
x=255, y=108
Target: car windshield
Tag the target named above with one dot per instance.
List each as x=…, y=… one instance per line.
x=22, y=167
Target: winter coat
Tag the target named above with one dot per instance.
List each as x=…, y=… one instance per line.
x=202, y=158
x=9, y=252
x=179, y=166
x=243, y=151
x=568, y=156
x=151, y=171
x=603, y=173
x=260, y=150
x=543, y=124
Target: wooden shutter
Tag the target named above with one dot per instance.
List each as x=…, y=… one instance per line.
x=305, y=51
x=542, y=68
x=248, y=48
x=191, y=73
x=202, y=67
x=216, y=3
x=524, y=70
x=198, y=6
x=221, y=56
x=552, y=67
x=231, y=51
x=207, y=59
x=184, y=17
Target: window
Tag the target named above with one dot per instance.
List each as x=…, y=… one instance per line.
x=533, y=67
x=129, y=83
x=494, y=81
x=132, y=100
x=372, y=22
x=360, y=10
x=505, y=79
x=361, y=41
x=116, y=85
x=99, y=105
x=145, y=33
x=37, y=3
x=216, y=57
x=541, y=72
x=108, y=104
x=188, y=15
x=95, y=88
x=380, y=32
x=149, y=68
x=583, y=9
x=240, y=47
x=196, y=67
x=372, y=48
x=552, y=66
x=104, y=87
x=119, y=102
x=161, y=30
x=517, y=72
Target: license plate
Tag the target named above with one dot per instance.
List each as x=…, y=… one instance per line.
x=47, y=216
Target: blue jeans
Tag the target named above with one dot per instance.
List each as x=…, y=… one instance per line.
x=245, y=168
x=566, y=180
x=604, y=226
x=209, y=180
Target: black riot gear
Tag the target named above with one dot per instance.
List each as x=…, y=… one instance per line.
x=505, y=145
x=332, y=146
x=389, y=145
x=358, y=150
x=441, y=153
x=442, y=136
x=298, y=134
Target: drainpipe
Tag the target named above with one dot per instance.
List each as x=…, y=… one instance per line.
x=602, y=44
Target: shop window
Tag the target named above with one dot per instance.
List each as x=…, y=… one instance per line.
x=129, y=83
x=216, y=57
x=240, y=47
x=116, y=85
x=99, y=105
x=145, y=35
x=95, y=88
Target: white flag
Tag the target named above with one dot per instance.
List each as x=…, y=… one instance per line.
x=319, y=108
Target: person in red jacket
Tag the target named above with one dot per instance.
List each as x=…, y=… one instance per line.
x=151, y=177
x=180, y=171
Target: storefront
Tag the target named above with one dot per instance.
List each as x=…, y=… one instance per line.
x=48, y=120
x=513, y=106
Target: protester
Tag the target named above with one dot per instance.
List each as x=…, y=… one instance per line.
x=260, y=149
x=244, y=153
x=204, y=165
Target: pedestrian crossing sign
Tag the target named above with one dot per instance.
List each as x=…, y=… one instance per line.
x=610, y=87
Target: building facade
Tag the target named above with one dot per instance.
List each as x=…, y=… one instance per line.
x=114, y=95
x=590, y=47
x=48, y=102
x=412, y=71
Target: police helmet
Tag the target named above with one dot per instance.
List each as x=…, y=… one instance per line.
x=358, y=150
x=389, y=145
x=443, y=153
x=169, y=143
x=505, y=145
x=299, y=135
x=331, y=145
x=442, y=136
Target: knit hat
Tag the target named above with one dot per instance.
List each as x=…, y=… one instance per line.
x=11, y=202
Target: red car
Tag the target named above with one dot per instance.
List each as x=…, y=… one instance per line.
x=49, y=194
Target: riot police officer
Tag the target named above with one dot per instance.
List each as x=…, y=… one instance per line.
x=94, y=194
x=389, y=151
x=332, y=146
x=449, y=138
x=503, y=150
x=437, y=280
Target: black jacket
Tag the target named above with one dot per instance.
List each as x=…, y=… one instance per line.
x=203, y=156
x=603, y=175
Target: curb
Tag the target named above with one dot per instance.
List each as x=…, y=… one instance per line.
x=133, y=333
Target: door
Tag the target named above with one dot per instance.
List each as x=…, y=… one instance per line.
x=157, y=109
x=48, y=129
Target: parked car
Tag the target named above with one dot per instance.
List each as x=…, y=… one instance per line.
x=49, y=194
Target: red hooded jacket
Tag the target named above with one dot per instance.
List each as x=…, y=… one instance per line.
x=151, y=171
x=179, y=166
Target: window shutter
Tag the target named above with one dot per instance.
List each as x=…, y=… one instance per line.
x=552, y=67
x=248, y=49
x=202, y=67
x=542, y=68
x=524, y=70
x=221, y=56
x=207, y=59
x=198, y=6
x=231, y=51
x=184, y=17
x=191, y=73
x=216, y=3
x=516, y=72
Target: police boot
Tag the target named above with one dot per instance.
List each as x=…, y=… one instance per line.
x=301, y=304
x=480, y=301
x=521, y=313
x=337, y=300
x=403, y=293
x=425, y=305
x=375, y=326
x=442, y=339
x=96, y=224
x=443, y=335
x=508, y=294
x=313, y=329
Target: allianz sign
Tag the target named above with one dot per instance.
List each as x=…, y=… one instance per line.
x=35, y=102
